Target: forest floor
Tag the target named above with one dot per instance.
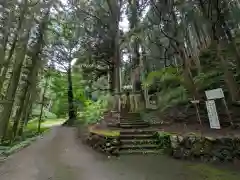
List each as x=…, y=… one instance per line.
x=60, y=155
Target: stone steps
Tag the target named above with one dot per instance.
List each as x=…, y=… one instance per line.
x=139, y=141
x=138, y=131
x=136, y=135
x=139, y=146
x=139, y=151
x=131, y=120
x=133, y=126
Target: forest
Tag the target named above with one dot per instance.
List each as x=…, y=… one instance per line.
x=66, y=58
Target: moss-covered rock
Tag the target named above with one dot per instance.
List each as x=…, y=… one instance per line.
x=103, y=143
x=199, y=147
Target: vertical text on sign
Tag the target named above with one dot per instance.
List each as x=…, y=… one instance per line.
x=212, y=114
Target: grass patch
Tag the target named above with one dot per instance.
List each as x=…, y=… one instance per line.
x=10, y=150
x=47, y=123
x=30, y=134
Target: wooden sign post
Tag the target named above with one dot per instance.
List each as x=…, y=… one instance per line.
x=213, y=115
x=212, y=95
x=195, y=103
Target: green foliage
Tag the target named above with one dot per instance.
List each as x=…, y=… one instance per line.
x=29, y=135
x=169, y=85
x=93, y=111
x=209, y=80
x=167, y=77
x=168, y=81
x=106, y=132
x=58, y=87
x=46, y=114
x=18, y=146
x=60, y=107
x=164, y=140
x=172, y=96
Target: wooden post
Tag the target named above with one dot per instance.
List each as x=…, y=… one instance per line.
x=195, y=103
x=227, y=111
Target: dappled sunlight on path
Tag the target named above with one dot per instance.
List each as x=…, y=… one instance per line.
x=51, y=123
x=58, y=155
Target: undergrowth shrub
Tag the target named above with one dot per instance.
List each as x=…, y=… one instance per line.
x=93, y=111
x=168, y=83
x=46, y=114
x=209, y=80
x=172, y=96
x=170, y=89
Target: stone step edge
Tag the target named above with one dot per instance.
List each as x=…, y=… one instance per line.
x=136, y=136
x=136, y=141
x=139, y=146
x=147, y=151
x=137, y=131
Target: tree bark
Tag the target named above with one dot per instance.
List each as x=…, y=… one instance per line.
x=114, y=7
x=31, y=81
x=5, y=31
x=42, y=104
x=134, y=20
x=14, y=80
x=71, y=109
x=15, y=39
x=188, y=79
x=24, y=116
x=229, y=78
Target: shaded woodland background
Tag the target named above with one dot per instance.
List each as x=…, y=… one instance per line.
x=63, y=58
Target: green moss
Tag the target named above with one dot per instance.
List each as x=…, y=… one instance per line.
x=208, y=172
x=164, y=141
x=194, y=134
x=163, y=133
x=18, y=146
x=105, y=133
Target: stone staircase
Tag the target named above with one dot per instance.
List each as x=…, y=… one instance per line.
x=136, y=135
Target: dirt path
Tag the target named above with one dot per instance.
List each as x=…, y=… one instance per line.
x=60, y=156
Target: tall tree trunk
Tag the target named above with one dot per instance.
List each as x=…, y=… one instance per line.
x=31, y=81
x=15, y=39
x=71, y=109
x=42, y=104
x=220, y=23
x=224, y=26
x=14, y=80
x=192, y=57
x=4, y=30
x=33, y=72
x=229, y=78
x=111, y=79
x=114, y=6
x=24, y=116
x=188, y=79
x=197, y=31
x=134, y=20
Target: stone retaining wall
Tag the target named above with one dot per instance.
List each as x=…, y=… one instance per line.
x=108, y=145
x=200, y=147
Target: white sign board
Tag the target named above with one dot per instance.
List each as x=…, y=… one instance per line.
x=215, y=94
x=212, y=114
